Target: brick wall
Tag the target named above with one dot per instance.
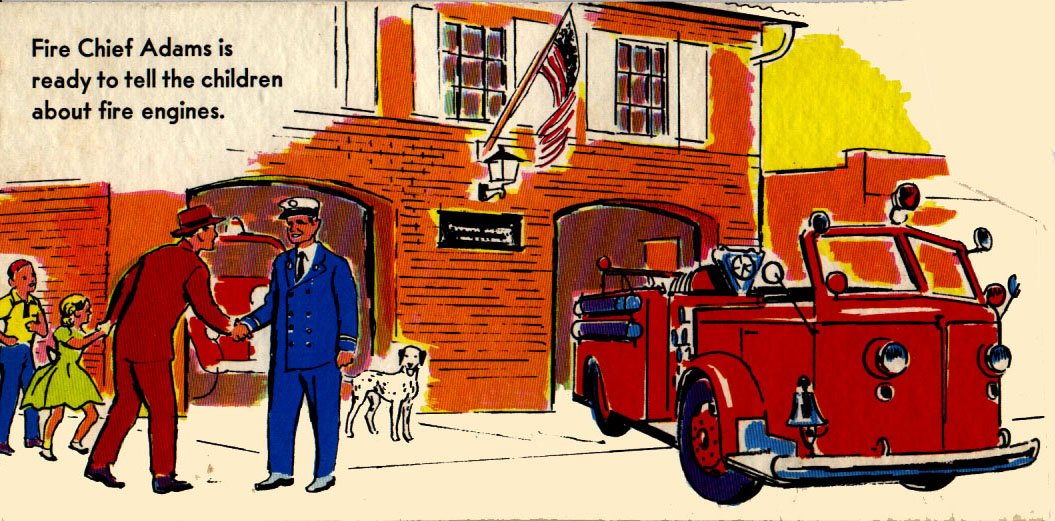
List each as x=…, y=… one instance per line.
x=63, y=230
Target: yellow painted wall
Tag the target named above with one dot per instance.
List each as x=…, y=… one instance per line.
x=823, y=98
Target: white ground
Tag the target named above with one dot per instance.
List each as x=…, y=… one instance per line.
x=466, y=466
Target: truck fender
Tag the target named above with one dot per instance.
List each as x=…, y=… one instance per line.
x=735, y=389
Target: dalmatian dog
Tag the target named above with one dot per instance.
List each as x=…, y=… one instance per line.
x=398, y=389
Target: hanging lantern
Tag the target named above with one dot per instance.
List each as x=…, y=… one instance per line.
x=502, y=169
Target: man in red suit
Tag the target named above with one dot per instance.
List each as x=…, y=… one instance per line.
x=146, y=306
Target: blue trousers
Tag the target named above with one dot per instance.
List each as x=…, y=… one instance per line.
x=16, y=369
x=322, y=388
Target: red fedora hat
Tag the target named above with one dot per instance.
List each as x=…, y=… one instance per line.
x=194, y=218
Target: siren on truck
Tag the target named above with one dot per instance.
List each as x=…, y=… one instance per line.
x=983, y=240
x=904, y=199
x=820, y=222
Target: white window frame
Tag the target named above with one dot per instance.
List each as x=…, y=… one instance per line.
x=685, y=128
x=651, y=76
x=458, y=86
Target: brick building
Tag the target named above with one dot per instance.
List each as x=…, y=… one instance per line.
x=661, y=164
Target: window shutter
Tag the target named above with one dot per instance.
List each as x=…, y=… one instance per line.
x=694, y=82
x=427, y=95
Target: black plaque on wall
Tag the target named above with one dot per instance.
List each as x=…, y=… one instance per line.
x=481, y=231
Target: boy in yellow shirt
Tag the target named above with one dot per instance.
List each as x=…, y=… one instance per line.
x=24, y=320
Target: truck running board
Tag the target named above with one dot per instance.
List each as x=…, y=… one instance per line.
x=664, y=431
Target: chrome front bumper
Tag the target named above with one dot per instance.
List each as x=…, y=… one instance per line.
x=793, y=471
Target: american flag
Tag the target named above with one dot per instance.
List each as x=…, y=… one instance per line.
x=560, y=67
x=558, y=62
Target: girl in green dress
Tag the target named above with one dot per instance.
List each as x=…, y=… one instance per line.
x=63, y=382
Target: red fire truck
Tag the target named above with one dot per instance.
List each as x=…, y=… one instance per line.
x=240, y=267
x=884, y=366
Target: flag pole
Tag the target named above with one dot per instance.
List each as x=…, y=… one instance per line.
x=521, y=90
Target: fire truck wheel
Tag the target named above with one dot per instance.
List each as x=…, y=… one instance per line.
x=927, y=483
x=699, y=448
x=610, y=423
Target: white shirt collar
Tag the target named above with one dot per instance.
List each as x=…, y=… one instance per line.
x=309, y=252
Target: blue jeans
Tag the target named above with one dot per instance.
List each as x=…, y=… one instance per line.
x=16, y=369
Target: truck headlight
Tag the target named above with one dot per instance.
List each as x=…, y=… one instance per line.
x=997, y=358
x=891, y=359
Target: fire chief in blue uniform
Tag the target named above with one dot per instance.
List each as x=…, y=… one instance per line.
x=311, y=307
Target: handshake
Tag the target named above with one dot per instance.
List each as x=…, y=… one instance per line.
x=241, y=332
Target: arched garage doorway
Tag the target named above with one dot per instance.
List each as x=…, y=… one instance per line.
x=633, y=234
x=241, y=263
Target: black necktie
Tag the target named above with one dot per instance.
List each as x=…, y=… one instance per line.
x=302, y=261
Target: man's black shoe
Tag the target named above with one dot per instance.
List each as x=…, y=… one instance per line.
x=166, y=484
x=103, y=475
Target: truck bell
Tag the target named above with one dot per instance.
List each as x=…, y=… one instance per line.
x=806, y=415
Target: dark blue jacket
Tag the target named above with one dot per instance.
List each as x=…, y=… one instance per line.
x=311, y=319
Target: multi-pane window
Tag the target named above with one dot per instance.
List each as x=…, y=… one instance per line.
x=472, y=70
x=641, y=88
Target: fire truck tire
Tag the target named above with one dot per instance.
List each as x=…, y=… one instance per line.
x=699, y=448
x=609, y=421
x=927, y=483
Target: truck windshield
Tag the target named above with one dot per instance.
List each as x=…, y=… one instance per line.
x=943, y=268
x=871, y=263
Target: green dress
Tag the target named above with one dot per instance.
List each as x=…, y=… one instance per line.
x=62, y=382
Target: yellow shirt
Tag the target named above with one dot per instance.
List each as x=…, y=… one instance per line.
x=17, y=314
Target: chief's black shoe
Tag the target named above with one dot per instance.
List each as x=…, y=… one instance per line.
x=274, y=480
x=320, y=484
x=166, y=484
